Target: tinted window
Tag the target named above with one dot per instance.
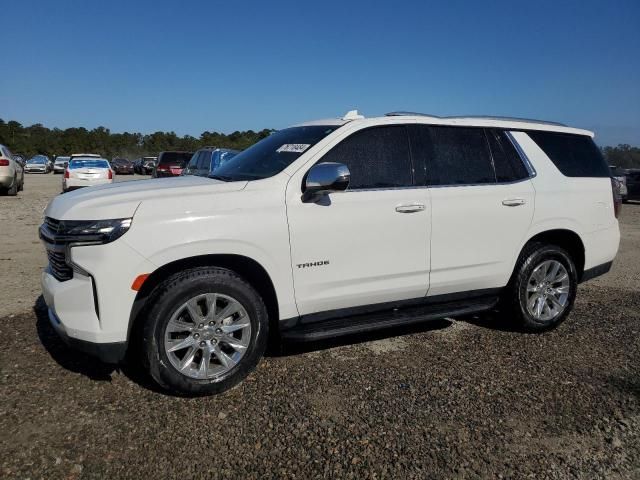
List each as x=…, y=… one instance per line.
x=272, y=154
x=204, y=160
x=453, y=155
x=508, y=164
x=376, y=157
x=88, y=163
x=175, y=158
x=574, y=155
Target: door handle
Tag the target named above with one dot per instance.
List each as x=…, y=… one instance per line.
x=513, y=202
x=411, y=208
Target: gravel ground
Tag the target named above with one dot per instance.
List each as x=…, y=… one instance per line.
x=458, y=398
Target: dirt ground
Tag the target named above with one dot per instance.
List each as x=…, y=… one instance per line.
x=457, y=398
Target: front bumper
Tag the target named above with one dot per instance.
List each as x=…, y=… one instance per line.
x=92, y=309
x=105, y=352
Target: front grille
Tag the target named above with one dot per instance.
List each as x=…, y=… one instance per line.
x=56, y=248
x=52, y=223
x=58, y=265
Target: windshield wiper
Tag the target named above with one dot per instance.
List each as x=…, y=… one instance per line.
x=221, y=177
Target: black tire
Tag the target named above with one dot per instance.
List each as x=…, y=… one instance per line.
x=13, y=190
x=174, y=292
x=513, y=304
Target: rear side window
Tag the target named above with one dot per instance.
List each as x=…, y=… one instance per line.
x=377, y=158
x=506, y=161
x=573, y=155
x=453, y=155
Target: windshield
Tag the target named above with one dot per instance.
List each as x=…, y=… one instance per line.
x=272, y=154
x=88, y=163
x=37, y=160
x=62, y=159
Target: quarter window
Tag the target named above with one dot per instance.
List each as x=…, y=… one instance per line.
x=377, y=158
x=573, y=155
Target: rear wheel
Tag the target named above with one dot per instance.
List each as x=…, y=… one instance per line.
x=543, y=288
x=13, y=190
x=205, y=332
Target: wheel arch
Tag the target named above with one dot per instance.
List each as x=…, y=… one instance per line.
x=249, y=269
x=565, y=238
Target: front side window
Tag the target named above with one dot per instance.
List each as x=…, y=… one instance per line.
x=453, y=155
x=204, y=161
x=272, y=154
x=377, y=158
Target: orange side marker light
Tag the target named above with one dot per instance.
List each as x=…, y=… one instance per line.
x=137, y=283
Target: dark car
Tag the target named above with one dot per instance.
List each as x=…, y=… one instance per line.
x=171, y=164
x=206, y=160
x=633, y=184
x=122, y=166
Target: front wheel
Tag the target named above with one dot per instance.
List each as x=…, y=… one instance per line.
x=543, y=288
x=205, y=332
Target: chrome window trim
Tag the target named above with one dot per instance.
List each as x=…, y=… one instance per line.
x=523, y=156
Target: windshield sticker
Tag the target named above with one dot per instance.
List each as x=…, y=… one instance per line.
x=293, y=147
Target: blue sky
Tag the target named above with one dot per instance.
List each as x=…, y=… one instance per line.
x=225, y=66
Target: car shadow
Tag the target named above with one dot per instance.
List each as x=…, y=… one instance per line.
x=492, y=320
x=65, y=356
x=78, y=362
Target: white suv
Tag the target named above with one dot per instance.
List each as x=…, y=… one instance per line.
x=327, y=228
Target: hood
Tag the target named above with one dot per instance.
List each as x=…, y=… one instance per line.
x=120, y=200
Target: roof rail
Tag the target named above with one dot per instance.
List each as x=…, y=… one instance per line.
x=409, y=114
x=509, y=119
x=480, y=117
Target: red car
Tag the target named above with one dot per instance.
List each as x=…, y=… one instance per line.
x=171, y=164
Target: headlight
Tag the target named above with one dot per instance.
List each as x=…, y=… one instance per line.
x=99, y=231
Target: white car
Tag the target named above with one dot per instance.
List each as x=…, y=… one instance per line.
x=328, y=228
x=11, y=173
x=86, y=172
x=60, y=164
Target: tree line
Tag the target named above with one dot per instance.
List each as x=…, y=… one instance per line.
x=38, y=139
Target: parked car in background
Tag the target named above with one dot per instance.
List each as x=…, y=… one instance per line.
x=332, y=227
x=37, y=164
x=60, y=164
x=633, y=184
x=11, y=173
x=149, y=165
x=122, y=166
x=207, y=159
x=171, y=164
x=144, y=165
x=86, y=172
x=621, y=177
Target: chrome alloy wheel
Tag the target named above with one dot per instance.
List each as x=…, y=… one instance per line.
x=548, y=290
x=207, y=336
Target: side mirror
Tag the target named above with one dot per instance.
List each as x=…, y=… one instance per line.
x=325, y=178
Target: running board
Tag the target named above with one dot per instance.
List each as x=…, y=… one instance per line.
x=386, y=319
